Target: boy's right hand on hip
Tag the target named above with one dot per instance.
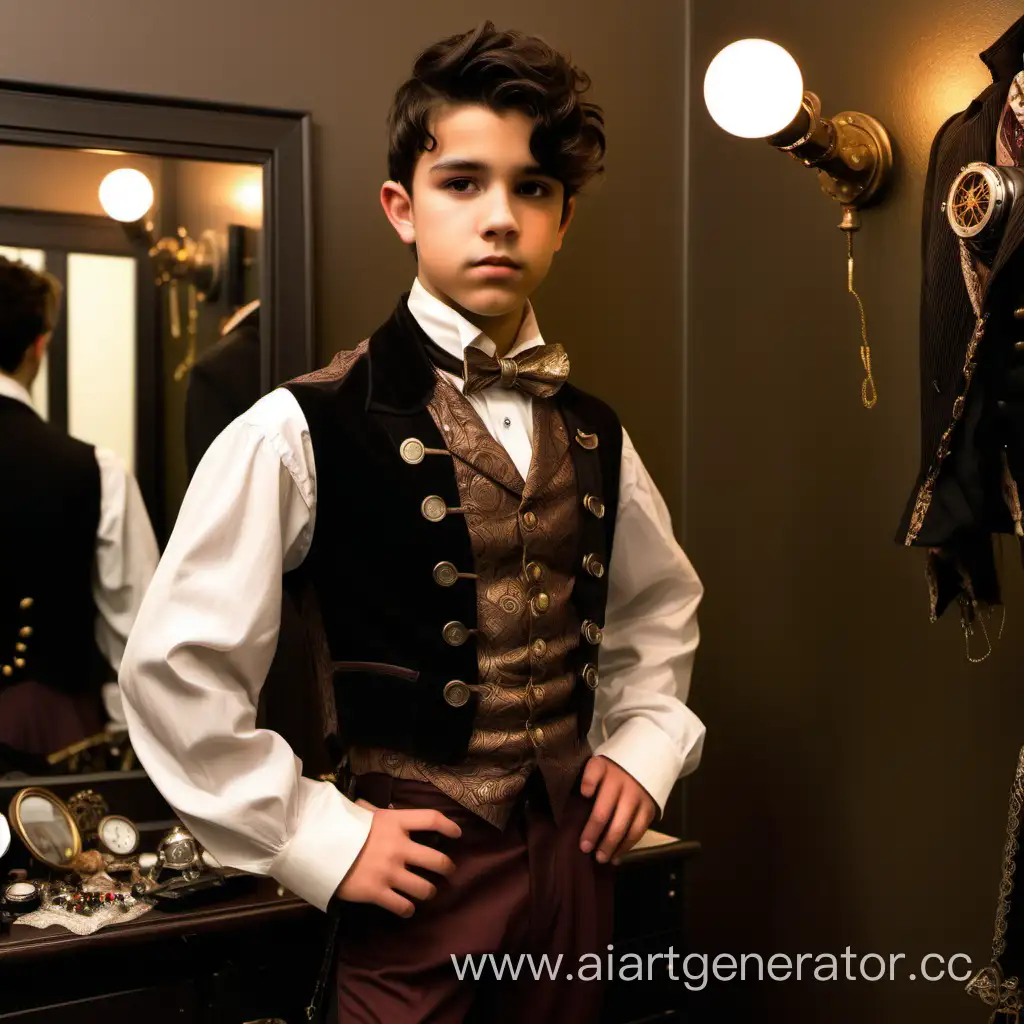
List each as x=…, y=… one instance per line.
x=380, y=874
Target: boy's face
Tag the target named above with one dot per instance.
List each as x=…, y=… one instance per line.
x=478, y=193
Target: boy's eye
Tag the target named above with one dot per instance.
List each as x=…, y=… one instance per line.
x=456, y=182
x=460, y=187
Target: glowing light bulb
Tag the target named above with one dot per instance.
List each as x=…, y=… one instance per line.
x=753, y=88
x=126, y=195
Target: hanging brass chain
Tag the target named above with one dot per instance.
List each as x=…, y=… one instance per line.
x=868, y=391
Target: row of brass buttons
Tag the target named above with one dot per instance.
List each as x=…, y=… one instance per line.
x=434, y=508
x=591, y=563
x=20, y=648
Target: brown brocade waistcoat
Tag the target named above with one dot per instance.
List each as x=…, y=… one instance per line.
x=454, y=609
x=526, y=624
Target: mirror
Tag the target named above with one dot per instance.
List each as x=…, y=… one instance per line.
x=130, y=329
x=178, y=235
x=46, y=827
x=5, y=836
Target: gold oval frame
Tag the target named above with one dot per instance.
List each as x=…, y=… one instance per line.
x=14, y=816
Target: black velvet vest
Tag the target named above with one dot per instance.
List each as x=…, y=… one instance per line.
x=374, y=551
x=49, y=516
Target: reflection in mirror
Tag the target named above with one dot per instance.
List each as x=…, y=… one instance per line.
x=46, y=827
x=105, y=409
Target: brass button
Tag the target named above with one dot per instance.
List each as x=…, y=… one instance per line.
x=25, y=632
x=591, y=632
x=7, y=671
x=412, y=451
x=21, y=648
x=539, y=647
x=538, y=736
x=456, y=693
x=19, y=662
x=541, y=603
x=445, y=574
x=585, y=440
x=1018, y=314
x=593, y=565
x=1019, y=346
x=535, y=572
x=26, y=603
x=594, y=505
x=530, y=520
x=434, y=508
x=455, y=633
x=590, y=676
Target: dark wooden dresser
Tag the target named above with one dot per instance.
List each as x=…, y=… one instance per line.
x=254, y=956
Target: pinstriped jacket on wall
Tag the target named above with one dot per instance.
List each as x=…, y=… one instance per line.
x=972, y=409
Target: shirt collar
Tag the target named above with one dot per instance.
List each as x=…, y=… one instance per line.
x=454, y=333
x=10, y=388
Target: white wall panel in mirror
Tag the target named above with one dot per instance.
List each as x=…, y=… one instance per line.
x=100, y=309
x=36, y=259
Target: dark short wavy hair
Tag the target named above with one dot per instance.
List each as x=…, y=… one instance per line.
x=28, y=309
x=503, y=71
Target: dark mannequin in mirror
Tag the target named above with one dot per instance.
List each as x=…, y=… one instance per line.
x=223, y=383
x=78, y=552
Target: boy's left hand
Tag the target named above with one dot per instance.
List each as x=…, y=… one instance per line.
x=622, y=811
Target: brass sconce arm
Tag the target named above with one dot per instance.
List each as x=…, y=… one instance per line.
x=852, y=151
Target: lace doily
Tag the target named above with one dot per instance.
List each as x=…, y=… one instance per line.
x=86, y=924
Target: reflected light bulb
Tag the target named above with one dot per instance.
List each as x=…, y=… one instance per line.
x=753, y=88
x=249, y=197
x=126, y=195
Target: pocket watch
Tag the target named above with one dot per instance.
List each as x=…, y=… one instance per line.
x=118, y=834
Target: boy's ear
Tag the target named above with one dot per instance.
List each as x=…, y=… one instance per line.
x=398, y=209
x=570, y=210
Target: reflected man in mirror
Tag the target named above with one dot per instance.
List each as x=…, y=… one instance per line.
x=76, y=548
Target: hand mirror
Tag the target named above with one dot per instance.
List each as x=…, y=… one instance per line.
x=46, y=827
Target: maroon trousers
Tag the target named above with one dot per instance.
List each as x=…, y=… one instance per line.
x=526, y=890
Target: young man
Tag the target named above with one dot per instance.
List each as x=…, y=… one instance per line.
x=448, y=504
x=76, y=547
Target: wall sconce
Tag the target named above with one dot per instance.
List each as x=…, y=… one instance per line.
x=754, y=89
x=127, y=196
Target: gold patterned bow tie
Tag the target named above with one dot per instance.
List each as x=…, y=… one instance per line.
x=540, y=371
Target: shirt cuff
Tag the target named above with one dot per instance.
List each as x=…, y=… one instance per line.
x=330, y=834
x=639, y=747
